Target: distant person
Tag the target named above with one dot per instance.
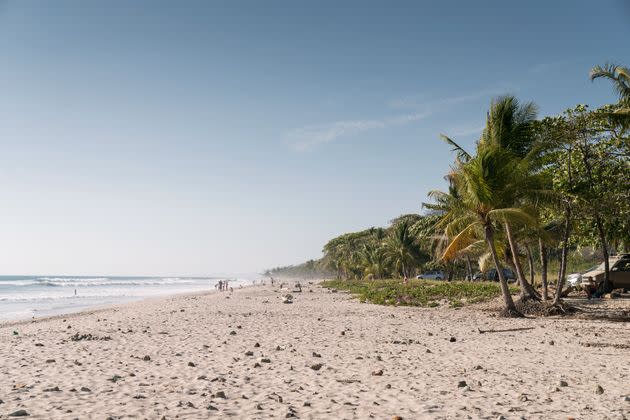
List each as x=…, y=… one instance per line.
x=220, y=284
x=75, y=292
x=225, y=285
x=271, y=280
x=405, y=281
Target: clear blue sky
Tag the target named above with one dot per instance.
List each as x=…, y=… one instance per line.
x=227, y=136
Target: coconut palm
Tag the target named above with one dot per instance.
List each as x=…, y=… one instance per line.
x=620, y=77
x=401, y=250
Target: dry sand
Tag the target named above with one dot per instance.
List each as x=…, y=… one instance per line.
x=188, y=357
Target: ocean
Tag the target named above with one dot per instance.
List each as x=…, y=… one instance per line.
x=23, y=297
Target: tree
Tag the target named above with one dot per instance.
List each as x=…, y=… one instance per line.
x=401, y=249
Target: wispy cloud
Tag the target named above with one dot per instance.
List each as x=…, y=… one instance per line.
x=305, y=138
x=310, y=136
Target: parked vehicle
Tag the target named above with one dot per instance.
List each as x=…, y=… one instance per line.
x=434, y=275
x=619, y=273
x=491, y=275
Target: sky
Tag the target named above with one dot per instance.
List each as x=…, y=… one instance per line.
x=191, y=138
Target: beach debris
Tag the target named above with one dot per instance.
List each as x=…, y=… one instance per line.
x=378, y=372
x=287, y=299
x=599, y=390
x=317, y=366
x=89, y=337
x=191, y=364
x=19, y=413
x=505, y=330
x=461, y=384
x=15, y=333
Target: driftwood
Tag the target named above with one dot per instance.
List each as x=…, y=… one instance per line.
x=506, y=330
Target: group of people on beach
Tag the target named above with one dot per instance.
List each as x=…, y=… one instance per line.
x=223, y=286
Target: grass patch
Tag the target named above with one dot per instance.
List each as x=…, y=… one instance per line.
x=425, y=293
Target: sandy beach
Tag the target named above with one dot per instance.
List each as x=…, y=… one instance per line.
x=326, y=356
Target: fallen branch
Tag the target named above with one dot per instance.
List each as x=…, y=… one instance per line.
x=507, y=330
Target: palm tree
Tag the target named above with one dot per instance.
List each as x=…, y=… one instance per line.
x=401, y=249
x=620, y=77
x=479, y=212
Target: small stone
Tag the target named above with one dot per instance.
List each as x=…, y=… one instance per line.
x=388, y=386
x=232, y=332
x=307, y=404
x=478, y=367
x=342, y=333
x=258, y=407
x=428, y=351
x=202, y=377
x=50, y=361
x=257, y=365
x=19, y=413
x=220, y=394
x=85, y=389
x=257, y=345
x=53, y=389
x=626, y=398
x=379, y=358
x=563, y=383
x=317, y=366
x=191, y=364
x=212, y=408
x=265, y=360
x=146, y=358
x=397, y=418
x=551, y=342
x=452, y=339
x=523, y=398
x=599, y=390
x=461, y=384
x=377, y=372
x=316, y=354
x=39, y=345
x=249, y=353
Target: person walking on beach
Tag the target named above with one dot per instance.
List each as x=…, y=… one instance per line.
x=220, y=285
x=225, y=285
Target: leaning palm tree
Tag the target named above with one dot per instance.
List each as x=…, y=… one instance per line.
x=480, y=211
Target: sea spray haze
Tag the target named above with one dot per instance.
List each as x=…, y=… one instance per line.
x=28, y=296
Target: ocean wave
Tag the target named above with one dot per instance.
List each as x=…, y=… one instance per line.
x=107, y=282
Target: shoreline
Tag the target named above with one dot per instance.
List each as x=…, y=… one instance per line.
x=248, y=355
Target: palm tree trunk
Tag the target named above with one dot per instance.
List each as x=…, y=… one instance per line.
x=527, y=291
x=510, y=309
x=469, y=268
x=530, y=260
x=543, y=269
